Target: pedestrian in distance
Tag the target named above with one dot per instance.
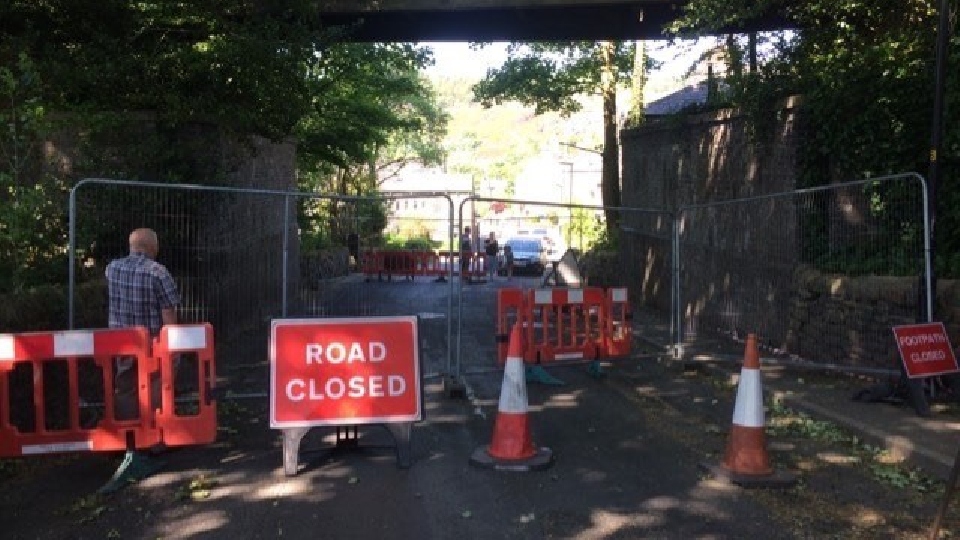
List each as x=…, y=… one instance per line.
x=141, y=292
x=508, y=260
x=466, y=253
x=491, y=248
x=353, y=247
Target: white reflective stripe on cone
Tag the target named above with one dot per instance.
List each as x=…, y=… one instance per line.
x=186, y=338
x=7, y=347
x=748, y=411
x=73, y=344
x=513, y=394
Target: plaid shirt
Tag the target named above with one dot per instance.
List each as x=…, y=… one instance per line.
x=139, y=288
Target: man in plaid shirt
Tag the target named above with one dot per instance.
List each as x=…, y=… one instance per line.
x=141, y=293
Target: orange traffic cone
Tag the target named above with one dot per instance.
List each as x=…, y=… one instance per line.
x=512, y=448
x=746, y=462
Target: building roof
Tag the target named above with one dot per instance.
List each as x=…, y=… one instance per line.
x=695, y=94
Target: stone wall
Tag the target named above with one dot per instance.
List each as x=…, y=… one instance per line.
x=740, y=263
x=674, y=163
x=225, y=250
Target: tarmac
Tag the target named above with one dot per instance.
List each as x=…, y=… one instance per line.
x=930, y=443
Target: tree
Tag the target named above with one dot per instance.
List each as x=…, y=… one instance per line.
x=865, y=71
x=370, y=112
x=269, y=69
x=550, y=77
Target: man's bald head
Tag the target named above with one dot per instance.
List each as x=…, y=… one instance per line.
x=144, y=241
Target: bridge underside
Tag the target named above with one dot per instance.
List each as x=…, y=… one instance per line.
x=516, y=21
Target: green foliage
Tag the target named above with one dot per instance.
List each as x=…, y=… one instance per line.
x=32, y=200
x=585, y=230
x=550, y=76
x=368, y=102
x=327, y=222
x=198, y=74
x=230, y=62
x=403, y=242
x=865, y=74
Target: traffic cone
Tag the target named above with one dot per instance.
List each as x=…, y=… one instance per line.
x=512, y=448
x=746, y=462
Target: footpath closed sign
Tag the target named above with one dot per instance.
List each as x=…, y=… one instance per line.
x=343, y=371
x=925, y=349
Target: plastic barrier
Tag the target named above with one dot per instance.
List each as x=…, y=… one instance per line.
x=477, y=268
x=511, y=309
x=370, y=263
x=565, y=324
x=406, y=263
x=58, y=392
x=618, y=319
x=428, y=263
x=186, y=421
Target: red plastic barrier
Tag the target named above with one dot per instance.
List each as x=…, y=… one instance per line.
x=618, y=327
x=38, y=352
x=51, y=383
x=511, y=308
x=371, y=263
x=198, y=423
x=477, y=268
x=565, y=324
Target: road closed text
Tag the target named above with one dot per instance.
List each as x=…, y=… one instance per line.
x=335, y=387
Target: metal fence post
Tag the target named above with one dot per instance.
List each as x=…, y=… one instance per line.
x=286, y=255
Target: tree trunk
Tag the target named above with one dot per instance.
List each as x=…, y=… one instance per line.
x=611, y=150
x=638, y=83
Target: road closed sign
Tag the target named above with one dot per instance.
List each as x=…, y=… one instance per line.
x=342, y=371
x=925, y=349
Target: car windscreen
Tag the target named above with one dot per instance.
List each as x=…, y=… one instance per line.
x=526, y=246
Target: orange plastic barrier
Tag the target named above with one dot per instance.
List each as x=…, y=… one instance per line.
x=511, y=309
x=618, y=327
x=198, y=423
x=406, y=263
x=476, y=267
x=370, y=263
x=565, y=323
x=50, y=383
x=429, y=264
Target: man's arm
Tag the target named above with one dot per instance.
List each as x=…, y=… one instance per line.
x=168, y=298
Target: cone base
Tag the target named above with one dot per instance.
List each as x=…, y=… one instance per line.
x=542, y=459
x=776, y=479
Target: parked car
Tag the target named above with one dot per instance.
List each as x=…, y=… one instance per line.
x=529, y=255
x=551, y=240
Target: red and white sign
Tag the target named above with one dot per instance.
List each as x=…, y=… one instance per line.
x=925, y=349
x=344, y=371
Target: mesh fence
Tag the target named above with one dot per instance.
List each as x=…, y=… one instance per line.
x=242, y=257
x=819, y=274
x=539, y=234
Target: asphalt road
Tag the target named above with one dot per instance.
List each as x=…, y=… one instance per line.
x=623, y=469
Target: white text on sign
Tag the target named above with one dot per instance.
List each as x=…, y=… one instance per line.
x=922, y=339
x=338, y=353
x=357, y=386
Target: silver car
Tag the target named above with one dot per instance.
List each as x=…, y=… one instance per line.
x=529, y=255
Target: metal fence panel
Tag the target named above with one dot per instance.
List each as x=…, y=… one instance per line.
x=819, y=274
x=239, y=261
